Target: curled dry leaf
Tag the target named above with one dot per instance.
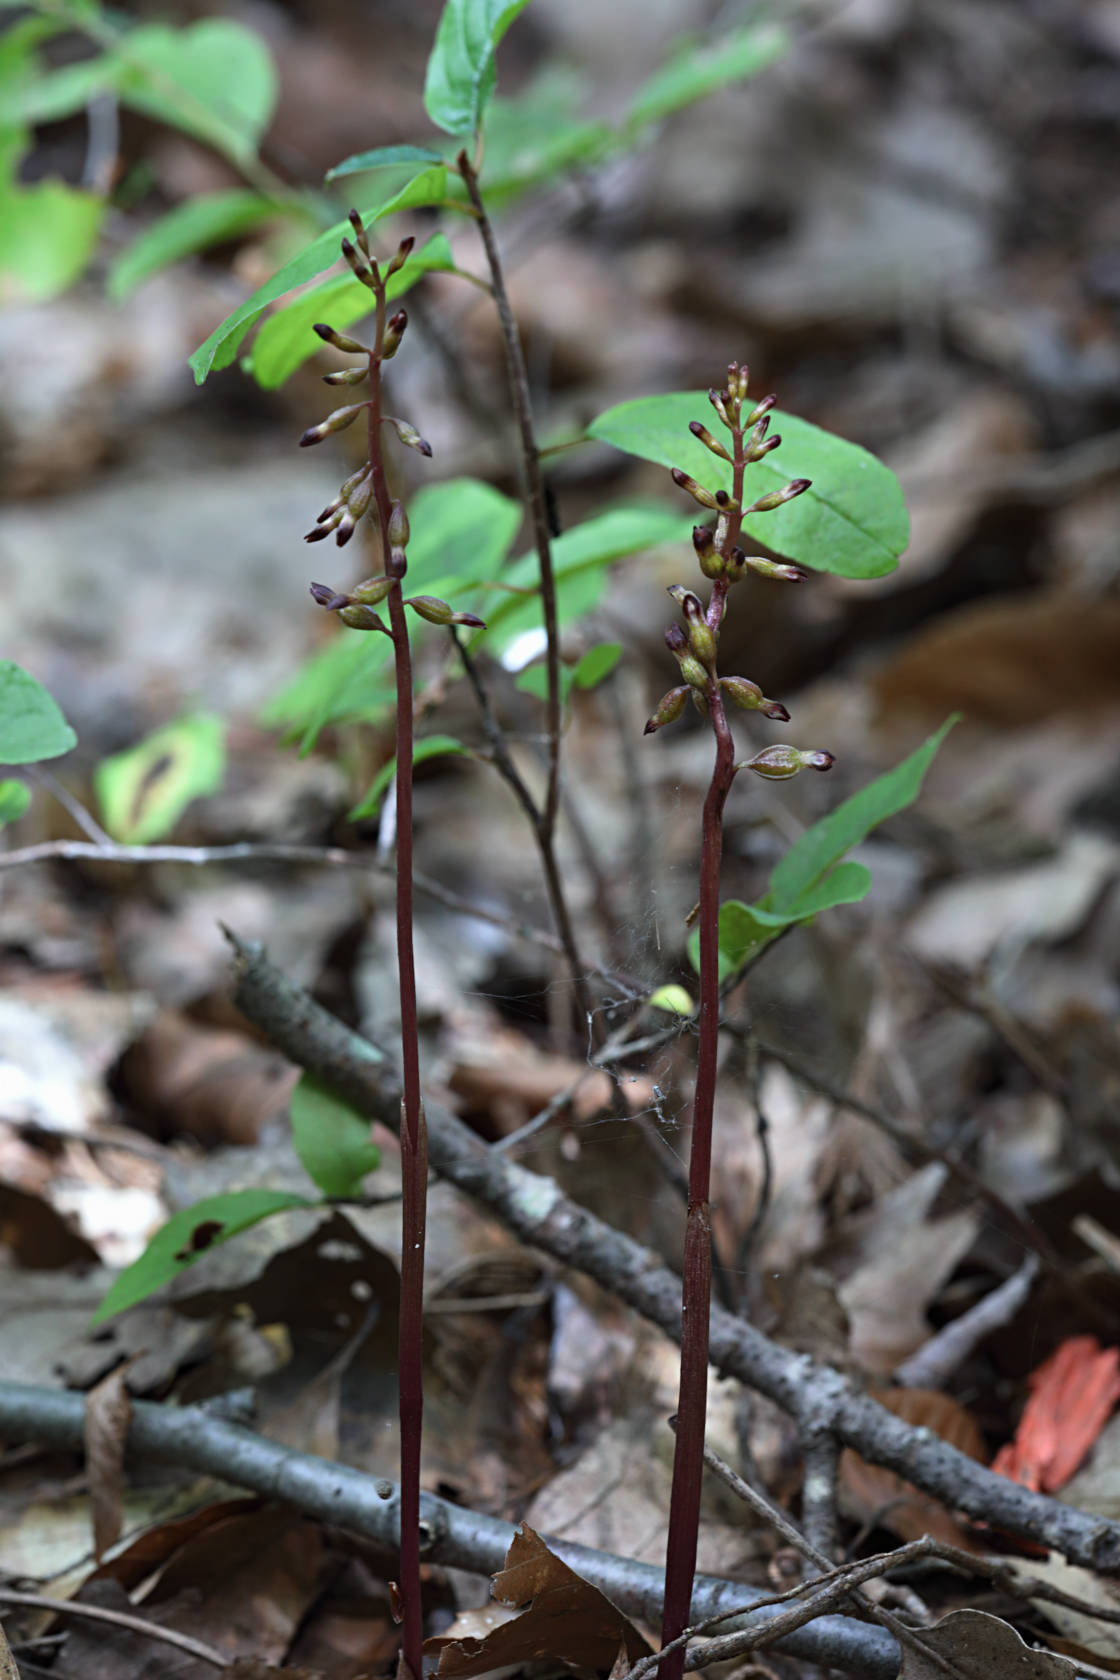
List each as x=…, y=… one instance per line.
x=979, y=1647
x=108, y=1413
x=565, y=1619
x=874, y=1495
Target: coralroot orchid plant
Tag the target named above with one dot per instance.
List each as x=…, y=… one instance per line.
x=367, y=492
x=695, y=649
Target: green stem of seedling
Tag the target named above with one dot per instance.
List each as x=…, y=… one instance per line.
x=414, y=1141
x=688, y=1457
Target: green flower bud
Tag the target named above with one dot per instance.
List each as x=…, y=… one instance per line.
x=408, y=434
x=704, y=436
x=696, y=491
x=360, y=233
x=750, y=698
x=777, y=498
x=398, y=526
x=760, y=409
x=777, y=764
x=358, y=265
x=340, y=341
x=360, y=497
x=394, y=332
x=362, y=618
x=773, y=569
x=719, y=401
x=738, y=379
x=668, y=710
x=336, y=422
x=436, y=611
x=371, y=592
x=707, y=554
x=346, y=376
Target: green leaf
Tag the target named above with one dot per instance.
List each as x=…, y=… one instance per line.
x=191, y=226
x=144, y=791
x=187, y=1236
x=221, y=347
x=741, y=937
x=285, y=341
x=383, y=157
x=852, y=522
x=215, y=79
x=673, y=999
x=31, y=725
x=432, y=746
x=461, y=71
x=538, y=133
x=810, y=857
x=534, y=680
x=15, y=797
x=847, y=883
x=588, y=547
x=697, y=69
x=331, y=1139
x=597, y=663
x=47, y=236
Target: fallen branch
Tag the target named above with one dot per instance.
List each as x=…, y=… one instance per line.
x=538, y=1212
x=450, y=1535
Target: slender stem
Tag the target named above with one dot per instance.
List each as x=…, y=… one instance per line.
x=414, y=1141
x=688, y=1457
x=537, y=503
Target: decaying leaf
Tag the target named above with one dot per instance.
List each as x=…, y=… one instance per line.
x=565, y=1619
x=980, y=1647
x=1100, y=1639
x=108, y=1413
x=8, y=1669
x=872, y=1494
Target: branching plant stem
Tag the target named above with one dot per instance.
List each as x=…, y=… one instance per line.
x=544, y=820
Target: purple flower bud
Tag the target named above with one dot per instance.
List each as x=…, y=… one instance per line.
x=676, y=640
x=409, y=435
x=340, y=341
x=668, y=710
x=704, y=436
x=438, y=612
x=710, y=559
x=773, y=569
x=397, y=564
x=777, y=498
x=360, y=233
x=360, y=268
x=758, y=450
x=394, y=332
x=401, y=255
x=324, y=595
x=689, y=603
x=346, y=376
x=747, y=695
x=760, y=409
x=718, y=400
x=696, y=491
x=336, y=422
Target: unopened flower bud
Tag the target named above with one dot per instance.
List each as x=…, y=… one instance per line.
x=676, y=640
x=696, y=491
x=738, y=379
x=719, y=403
x=436, y=611
x=710, y=559
x=371, y=592
x=358, y=265
x=360, y=497
x=401, y=255
x=346, y=376
x=340, y=341
x=362, y=618
x=345, y=528
x=758, y=450
x=409, y=435
x=777, y=764
x=777, y=498
x=750, y=698
x=704, y=436
x=398, y=526
x=336, y=422
x=702, y=641
x=759, y=409
x=397, y=564
x=394, y=332
x=360, y=233
x=773, y=569
x=668, y=710
x=690, y=603
x=325, y=596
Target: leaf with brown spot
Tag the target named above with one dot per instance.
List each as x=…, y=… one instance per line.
x=108, y=1413
x=872, y=1494
x=565, y=1620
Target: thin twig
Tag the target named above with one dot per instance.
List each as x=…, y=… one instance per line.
x=116, y=1618
x=937, y=1360
x=537, y=1211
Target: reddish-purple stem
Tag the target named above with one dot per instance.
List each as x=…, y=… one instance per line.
x=414, y=1138
x=692, y=1402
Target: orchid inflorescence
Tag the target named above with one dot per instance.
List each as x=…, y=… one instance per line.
x=364, y=490
x=723, y=562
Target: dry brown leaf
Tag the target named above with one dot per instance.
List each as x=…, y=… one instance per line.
x=203, y=1082
x=509, y=1079
x=1099, y=1640
x=980, y=1647
x=566, y=1619
x=108, y=1413
x=872, y=1494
